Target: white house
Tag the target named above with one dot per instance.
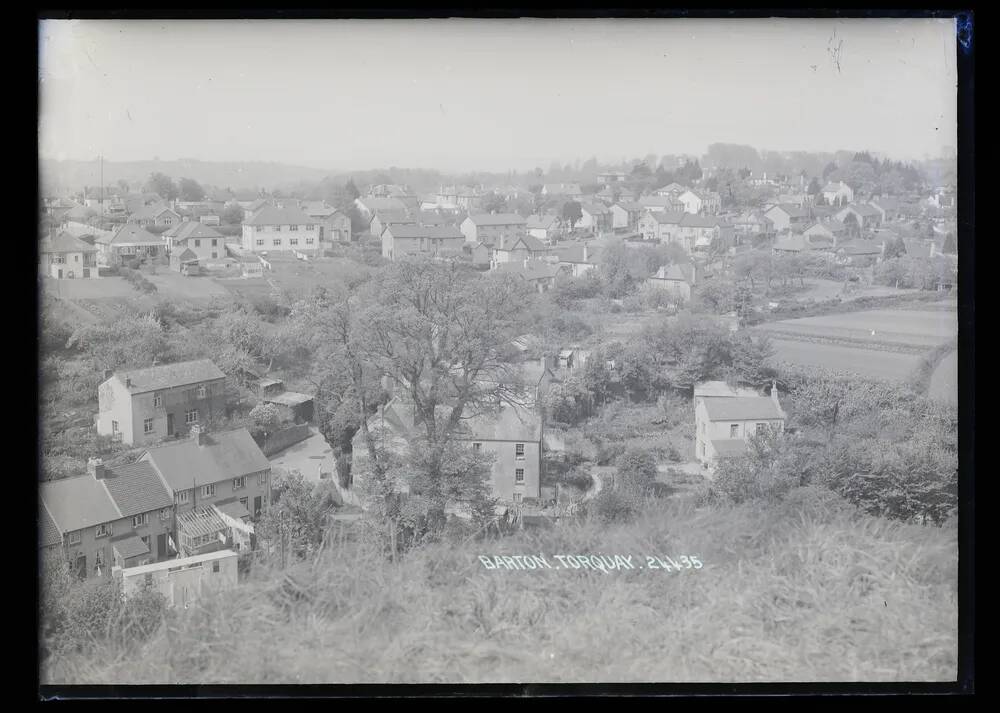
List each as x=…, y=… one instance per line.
x=838, y=193
x=700, y=202
x=723, y=424
x=280, y=229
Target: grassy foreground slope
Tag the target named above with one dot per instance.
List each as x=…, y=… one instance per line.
x=804, y=590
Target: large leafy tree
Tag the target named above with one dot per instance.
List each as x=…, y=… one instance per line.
x=162, y=185
x=190, y=190
x=128, y=342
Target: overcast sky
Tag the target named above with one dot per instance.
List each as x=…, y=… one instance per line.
x=491, y=94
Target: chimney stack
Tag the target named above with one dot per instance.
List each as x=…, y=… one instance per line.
x=198, y=434
x=585, y=252
x=128, y=381
x=774, y=394
x=108, y=373
x=97, y=469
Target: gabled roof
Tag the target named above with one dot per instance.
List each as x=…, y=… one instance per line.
x=63, y=242
x=667, y=217
x=832, y=187
x=574, y=254
x=429, y=217
x=658, y=201
x=630, y=206
x=679, y=272
x=377, y=204
x=534, y=270
x=168, y=376
x=188, y=255
x=78, y=502
x=224, y=455
x=565, y=189
x=191, y=229
x=129, y=545
x=541, y=222
x=497, y=219
x=532, y=243
x=596, y=208
x=860, y=247
x=424, y=231
x=393, y=217
x=862, y=209
x=48, y=531
x=792, y=210
x=151, y=212
x=272, y=215
x=744, y=408
x=510, y=424
x=130, y=234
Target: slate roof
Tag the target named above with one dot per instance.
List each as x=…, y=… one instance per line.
x=510, y=424
x=596, y=208
x=129, y=546
x=793, y=211
x=150, y=212
x=424, y=231
x=497, y=219
x=690, y=220
x=678, y=272
x=130, y=234
x=48, y=531
x=531, y=242
x=78, y=502
x=191, y=229
x=574, y=254
x=234, y=508
x=225, y=455
x=658, y=201
x=535, y=269
x=137, y=488
x=63, y=242
x=541, y=222
x=168, y=376
x=863, y=209
x=377, y=204
x=667, y=217
x=272, y=215
x=745, y=408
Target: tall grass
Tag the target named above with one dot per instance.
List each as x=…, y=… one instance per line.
x=805, y=590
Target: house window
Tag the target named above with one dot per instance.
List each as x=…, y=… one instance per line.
x=215, y=566
x=477, y=446
x=114, y=427
x=191, y=416
x=215, y=255
x=98, y=558
x=702, y=450
x=157, y=401
x=262, y=479
x=310, y=227
x=202, y=391
x=183, y=496
x=519, y=475
x=260, y=242
x=165, y=514
x=147, y=425
x=293, y=228
x=149, y=579
x=145, y=541
x=519, y=451
x=517, y=497
x=276, y=242
x=240, y=482
x=310, y=241
x=208, y=491
x=245, y=502
x=102, y=530
x=197, y=243
x=293, y=241
x=215, y=242
x=759, y=428
x=140, y=520
x=75, y=538
x=734, y=430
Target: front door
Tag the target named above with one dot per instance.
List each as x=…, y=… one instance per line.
x=170, y=424
x=257, y=502
x=60, y=274
x=161, y=546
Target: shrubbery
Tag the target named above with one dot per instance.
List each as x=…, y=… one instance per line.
x=136, y=278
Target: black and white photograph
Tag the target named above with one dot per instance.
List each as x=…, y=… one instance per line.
x=519, y=351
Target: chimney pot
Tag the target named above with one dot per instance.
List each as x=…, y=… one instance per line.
x=128, y=381
x=198, y=433
x=108, y=373
x=96, y=468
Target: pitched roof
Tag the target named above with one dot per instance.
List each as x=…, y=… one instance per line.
x=191, y=229
x=860, y=247
x=389, y=217
x=832, y=187
x=200, y=522
x=224, y=455
x=566, y=189
x=136, y=488
x=167, y=376
x=743, y=408
x=792, y=210
x=658, y=201
x=287, y=215
x=534, y=270
x=63, y=242
x=130, y=234
x=497, y=219
x=531, y=242
x=150, y=212
x=863, y=209
x=78, y=502
x=48, y=531
x=429, y=217
x=233, y=508
x=376, y=204
x=681, y=272
x=188, y=255
x=666, y=217
x=596, y=208
x=630, y=206
x=574, y=254
x=541, y=222
x=129, y=546
x=510, y=424
x=424, y=231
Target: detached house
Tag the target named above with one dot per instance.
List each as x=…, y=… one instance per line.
x=66, y=256
x=596, y=217
x=204, y=242
x=415, y=240
x=576, y=260
x=723, y=424
x=148, y=405
x=625, y=216
x=697, y=232
x=524, y=248
x=121, y=516
x=277, y=229
x=543, y=227
x=663, y=226
x=666, y=203
x=837, y=193
x=130, y=241
x=787, y=217
x=696, y=202
x=540, y=274
x=867, y=217
x=677, y=279
x=156, y=215
x=568, y=190
x=383, y=219
x=496, y=229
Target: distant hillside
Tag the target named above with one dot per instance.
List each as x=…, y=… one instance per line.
x=59, y=177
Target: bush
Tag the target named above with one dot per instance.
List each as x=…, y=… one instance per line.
x=637, y=469
x=613, y=505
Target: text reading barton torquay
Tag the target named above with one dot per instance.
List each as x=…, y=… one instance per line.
x=597, y=563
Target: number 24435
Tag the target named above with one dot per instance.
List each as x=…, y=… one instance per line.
x=670, y=565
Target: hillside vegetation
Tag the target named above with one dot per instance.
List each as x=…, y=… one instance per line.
x=808, y=589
